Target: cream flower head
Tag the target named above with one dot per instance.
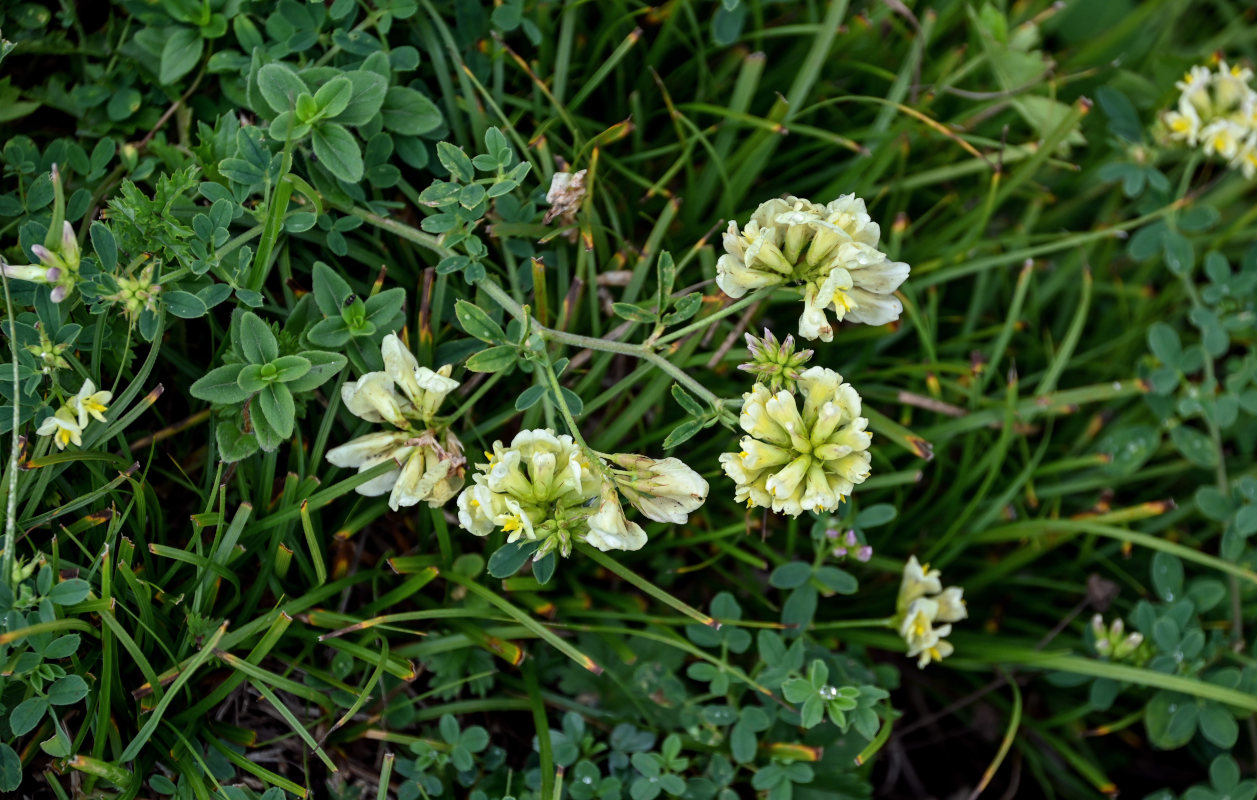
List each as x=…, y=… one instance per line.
x=540, y=488
x=795, y=460
x=1217, y=112
x=663, y=489
x=922, y=638
x=428, y=456
x=830, y=250
x=63, y=427
x=89, y=402
x=922, y=602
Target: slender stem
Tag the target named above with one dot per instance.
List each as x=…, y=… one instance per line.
x=882, y=622
x=15, y=449
x=500, y=296
x=566, y=412
x=503, y=298
x=405, y=231
x=611, y=565
x=732, y=308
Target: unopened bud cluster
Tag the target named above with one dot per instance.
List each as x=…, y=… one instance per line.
x=775, y=364
x=1114, y=643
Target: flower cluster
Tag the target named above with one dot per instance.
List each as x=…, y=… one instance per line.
x=1115, y=643
x=850, y=545
x=58, y=265
x=546, y=488
x=67, y=423
x=1217, y=112
x=922, y=602
x=48, y=354
x=428, y=457
x=830, y=250
x=795, y=460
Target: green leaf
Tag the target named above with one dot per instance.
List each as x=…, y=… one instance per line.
x=791, y=575
x=408, y=112
x=837, y=580
x=330, y=289
x=477, y=322
x=687, y=401
x=799, y=608
x=333, y=97
x=10, y=769
x=181, y=53
x=280, y=86
x=1167, y=576
x=290, y=368
x=543, y=568
x=456, y=161
x=220, y=386
x=323, y=367
x=69, y=592
x=27, y=714
x=1123, y=119
x=256, y=340
x=338, y=150
x=184, y=305
x=369, y=89
x=1180, y=256
x=331, y=332
x=633, y=313
x=509, y=558
x=529, y=397
x=62, y=646
x=875, y=515
x=67, y=690
x=383, y=308
x=250, y=379
x=1170, y=719
x=1194, y=445
x=686, y=307
x=572, y=401
x=105, y=246
x=1214, y=504
x=1218, y=725
x=307, y=109
x=494, y=359
x=275, y=401
x=1165, y=344
x=682, y=433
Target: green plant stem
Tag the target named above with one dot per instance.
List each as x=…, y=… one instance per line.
x=15, y=450
x=420, y=238
x=499, y=295
x=732, y=308
x=613, y=566
x=881, y=622
x=503, y=298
